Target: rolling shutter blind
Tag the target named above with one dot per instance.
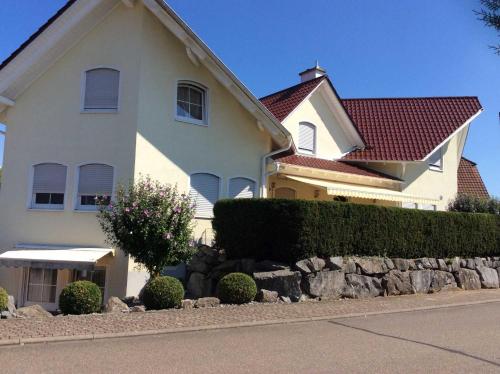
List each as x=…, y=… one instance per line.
x=49, y=178
x=204, y=192
x=307, y=135
x=241, y=188
x=101, y=89
x=284, y=193
x=95, y=180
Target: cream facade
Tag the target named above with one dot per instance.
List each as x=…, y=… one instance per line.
x=178, y=115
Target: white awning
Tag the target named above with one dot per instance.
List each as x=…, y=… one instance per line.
x=364, y=192
x=53, y=257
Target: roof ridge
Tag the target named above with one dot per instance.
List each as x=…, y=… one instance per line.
x=292, y=87
x=466, y=159
x=409, y=98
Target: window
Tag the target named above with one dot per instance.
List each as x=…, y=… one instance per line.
x=407, y=205
x=427, y=207
x=435, y=161
x=204, y=192
x=97, y=276
x=42, y=284
x=101, y=90
x=284, y=193
x=49, y=184
x=191, y=103
x=95, y=183
x=307, y=138
x=241, y=188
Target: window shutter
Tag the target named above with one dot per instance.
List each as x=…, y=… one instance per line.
x=49, y=178
x=95, y=179
x=101, y=89
x=284, y=193
x=307, y=137
x=241, y=188
x=204, y=192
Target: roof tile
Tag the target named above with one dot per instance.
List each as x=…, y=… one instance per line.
x=469, y=179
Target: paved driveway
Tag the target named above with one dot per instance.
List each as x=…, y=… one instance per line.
x=456, y=339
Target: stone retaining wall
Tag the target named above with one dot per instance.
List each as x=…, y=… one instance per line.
x=349, y=277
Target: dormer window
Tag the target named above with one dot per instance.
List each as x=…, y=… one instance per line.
x=101, y=90
x=307, y=138
x=435, y=161
x=191, y=103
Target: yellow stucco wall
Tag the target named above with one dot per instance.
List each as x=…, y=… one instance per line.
x=142, y=138
x=331, y=140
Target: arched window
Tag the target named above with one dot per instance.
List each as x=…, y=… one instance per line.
x=191, y=103
x=49, y=185
x=204, y=192
x=285, y=193
x=101, y=90
x=307, y=138
x=95, y=182
x=241, y=188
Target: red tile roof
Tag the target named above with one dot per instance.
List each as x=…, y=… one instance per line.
x=338, y=166
x=283, y=102
x=469, y=179
x=407, y=129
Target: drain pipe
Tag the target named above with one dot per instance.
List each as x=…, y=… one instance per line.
x=263, y=172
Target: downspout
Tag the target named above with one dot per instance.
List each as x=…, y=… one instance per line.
x=263, y=173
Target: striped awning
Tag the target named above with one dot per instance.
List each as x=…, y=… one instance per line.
x=363, y=192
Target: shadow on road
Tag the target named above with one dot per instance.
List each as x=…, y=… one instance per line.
x=450, y=350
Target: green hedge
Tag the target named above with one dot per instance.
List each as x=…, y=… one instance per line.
x=289, y=230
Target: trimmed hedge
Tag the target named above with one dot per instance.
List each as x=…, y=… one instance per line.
x=4, y=299
x=163, y=293
x=80, y=297
x=290, y=230
x=237, y=288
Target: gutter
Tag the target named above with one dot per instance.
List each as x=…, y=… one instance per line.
x=263, y=173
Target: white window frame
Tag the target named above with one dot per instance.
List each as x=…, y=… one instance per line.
x=428, y=207
x=76, y=200
x=83, y=86
x=255, y=195
x=436, y=167
x=30, y=205
x=221, y=196
x=315, y=139
x=206, y=97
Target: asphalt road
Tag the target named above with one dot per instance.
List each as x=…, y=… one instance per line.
x=459, y=339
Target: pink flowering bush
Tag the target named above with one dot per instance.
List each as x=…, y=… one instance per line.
x=151, y=222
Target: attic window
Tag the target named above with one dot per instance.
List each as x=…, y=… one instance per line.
x=307, y=138
x=435, y=161
x=101, y=90
x=191, y=103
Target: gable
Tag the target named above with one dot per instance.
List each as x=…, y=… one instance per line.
x=469, y=179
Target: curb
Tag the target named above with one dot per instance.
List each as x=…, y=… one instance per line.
x=128, y=334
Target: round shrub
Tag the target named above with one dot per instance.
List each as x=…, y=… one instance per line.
x=4, y=299
x=80, y=297
x=163, y=293
x=237, y=288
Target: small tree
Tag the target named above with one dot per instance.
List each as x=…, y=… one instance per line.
x=150, y=221
x=473, y=204
x=490, y=15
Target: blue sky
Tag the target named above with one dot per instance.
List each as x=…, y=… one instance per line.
x=370, y=48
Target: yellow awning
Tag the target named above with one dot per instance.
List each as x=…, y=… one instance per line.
x=363, y=192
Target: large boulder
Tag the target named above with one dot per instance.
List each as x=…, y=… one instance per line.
x=310, y=265
x=467, y=279
x=454, y=265
x=488, y=277
x=442, y=265
x=423, y=263
x=11, y=305
x=421, y=280
x=33, y=311
x=266, y=296
x=349, y=266
x=198, y=285
x=207, y=302
x=361, y=286
x=397, y=282
x=198, y=265
x=434, y=263
x=229, y=266
x=115, y=305
x=401, y=264
x=470, y=264
x=268, y=265
x=285, y=282
x=371, y=265
x=442, y=281
x=334, y=263
x=329, y=284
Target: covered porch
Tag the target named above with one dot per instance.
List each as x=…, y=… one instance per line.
x=42, y=271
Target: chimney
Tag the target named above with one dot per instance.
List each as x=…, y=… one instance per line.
x=312, y=73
